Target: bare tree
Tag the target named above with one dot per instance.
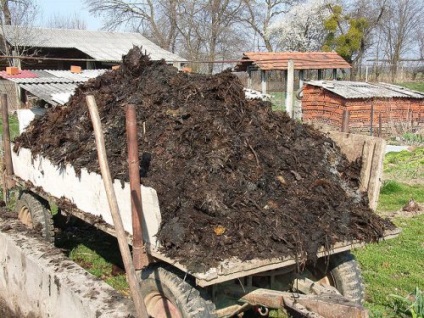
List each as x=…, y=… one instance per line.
x=6, y=15
x=420, y=42
x=67, y=22
x=259, y=15
x=155, y=19
x=16, y=17
x=198, y=28
x=402, y=21
x=223, y=15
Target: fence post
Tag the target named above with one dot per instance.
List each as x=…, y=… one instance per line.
x=345, y=121
x=290, y=88
x=263, y=81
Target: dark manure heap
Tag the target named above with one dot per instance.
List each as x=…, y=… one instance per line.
x=234, y=178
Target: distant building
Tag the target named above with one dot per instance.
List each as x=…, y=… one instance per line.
x=360, y=107
x=101, y=49
x=260, y=65
x=268, y=73
x=52, y=52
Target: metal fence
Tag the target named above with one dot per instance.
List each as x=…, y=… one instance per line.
x=389, y=74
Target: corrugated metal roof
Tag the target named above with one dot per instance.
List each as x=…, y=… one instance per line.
x=267, y=61
x=363, y=90
x=41, y=73
x=47, y=91
x=100, y=45
x=77, y=77
x=41, y=80
x=53, y=86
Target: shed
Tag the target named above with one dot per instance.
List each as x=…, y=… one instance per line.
x=272, y=70
x=101, y=48
x=42, y=88
x=360, y=107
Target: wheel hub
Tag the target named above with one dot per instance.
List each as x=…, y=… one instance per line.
x=25, y=217
x=158, y=306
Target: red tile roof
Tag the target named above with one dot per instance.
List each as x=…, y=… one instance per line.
x=302, y=60
x=22, y=74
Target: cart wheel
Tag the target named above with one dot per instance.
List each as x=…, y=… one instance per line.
x=343, y=273
x=34, y=214
x=168, y=295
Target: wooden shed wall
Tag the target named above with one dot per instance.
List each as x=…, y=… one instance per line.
x=321, y=107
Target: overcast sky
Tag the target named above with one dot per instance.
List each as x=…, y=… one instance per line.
x=63, y=8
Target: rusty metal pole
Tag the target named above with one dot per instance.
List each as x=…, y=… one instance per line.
x=6, y=143
x=135, y=289
x=140, y=258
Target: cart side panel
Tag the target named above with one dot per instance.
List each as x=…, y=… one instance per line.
x=87, y=191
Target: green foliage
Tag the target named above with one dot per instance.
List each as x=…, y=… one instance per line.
x=394, y=195
x=94, y=250
x=393, y=266
x=411, y=138
x=13, y=126
x=417, y=86
x=411, y=305
x=405, y=166
x=348, y=43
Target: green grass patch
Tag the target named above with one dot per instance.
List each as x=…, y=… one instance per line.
x=405, y=166
x=394, y=195
x=94, y=250
x=13, y=126
x=416, y=86
x=278, y=100
x=98, y=266
x=393, y=267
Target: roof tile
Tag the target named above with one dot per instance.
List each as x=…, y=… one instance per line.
x=302, y=60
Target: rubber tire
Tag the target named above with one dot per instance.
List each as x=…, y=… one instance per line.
x=345, y=275
x=42, y=219
x=171, y=284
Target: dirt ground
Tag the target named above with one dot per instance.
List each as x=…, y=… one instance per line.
x=234, y=178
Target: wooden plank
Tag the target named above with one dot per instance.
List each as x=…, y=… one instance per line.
x=371, y=150
x=374, y=184
x=367, y=155
x=233, y=268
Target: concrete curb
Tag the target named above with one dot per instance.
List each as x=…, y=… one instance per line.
x=37, y=280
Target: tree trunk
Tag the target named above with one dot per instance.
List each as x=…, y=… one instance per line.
x=6, y=12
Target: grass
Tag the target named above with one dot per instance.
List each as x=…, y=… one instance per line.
x=13, y=126
x=416, y=86
x=95, y=251
x=405, y=166
x=393, y=267
x=411, y=305
x=394, y=195
x=99, y=266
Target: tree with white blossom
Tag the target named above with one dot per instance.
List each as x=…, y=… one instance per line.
x=302, y=28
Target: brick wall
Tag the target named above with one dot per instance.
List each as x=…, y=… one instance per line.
x=393, y=115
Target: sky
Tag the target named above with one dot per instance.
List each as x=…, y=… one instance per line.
x=63, y=8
